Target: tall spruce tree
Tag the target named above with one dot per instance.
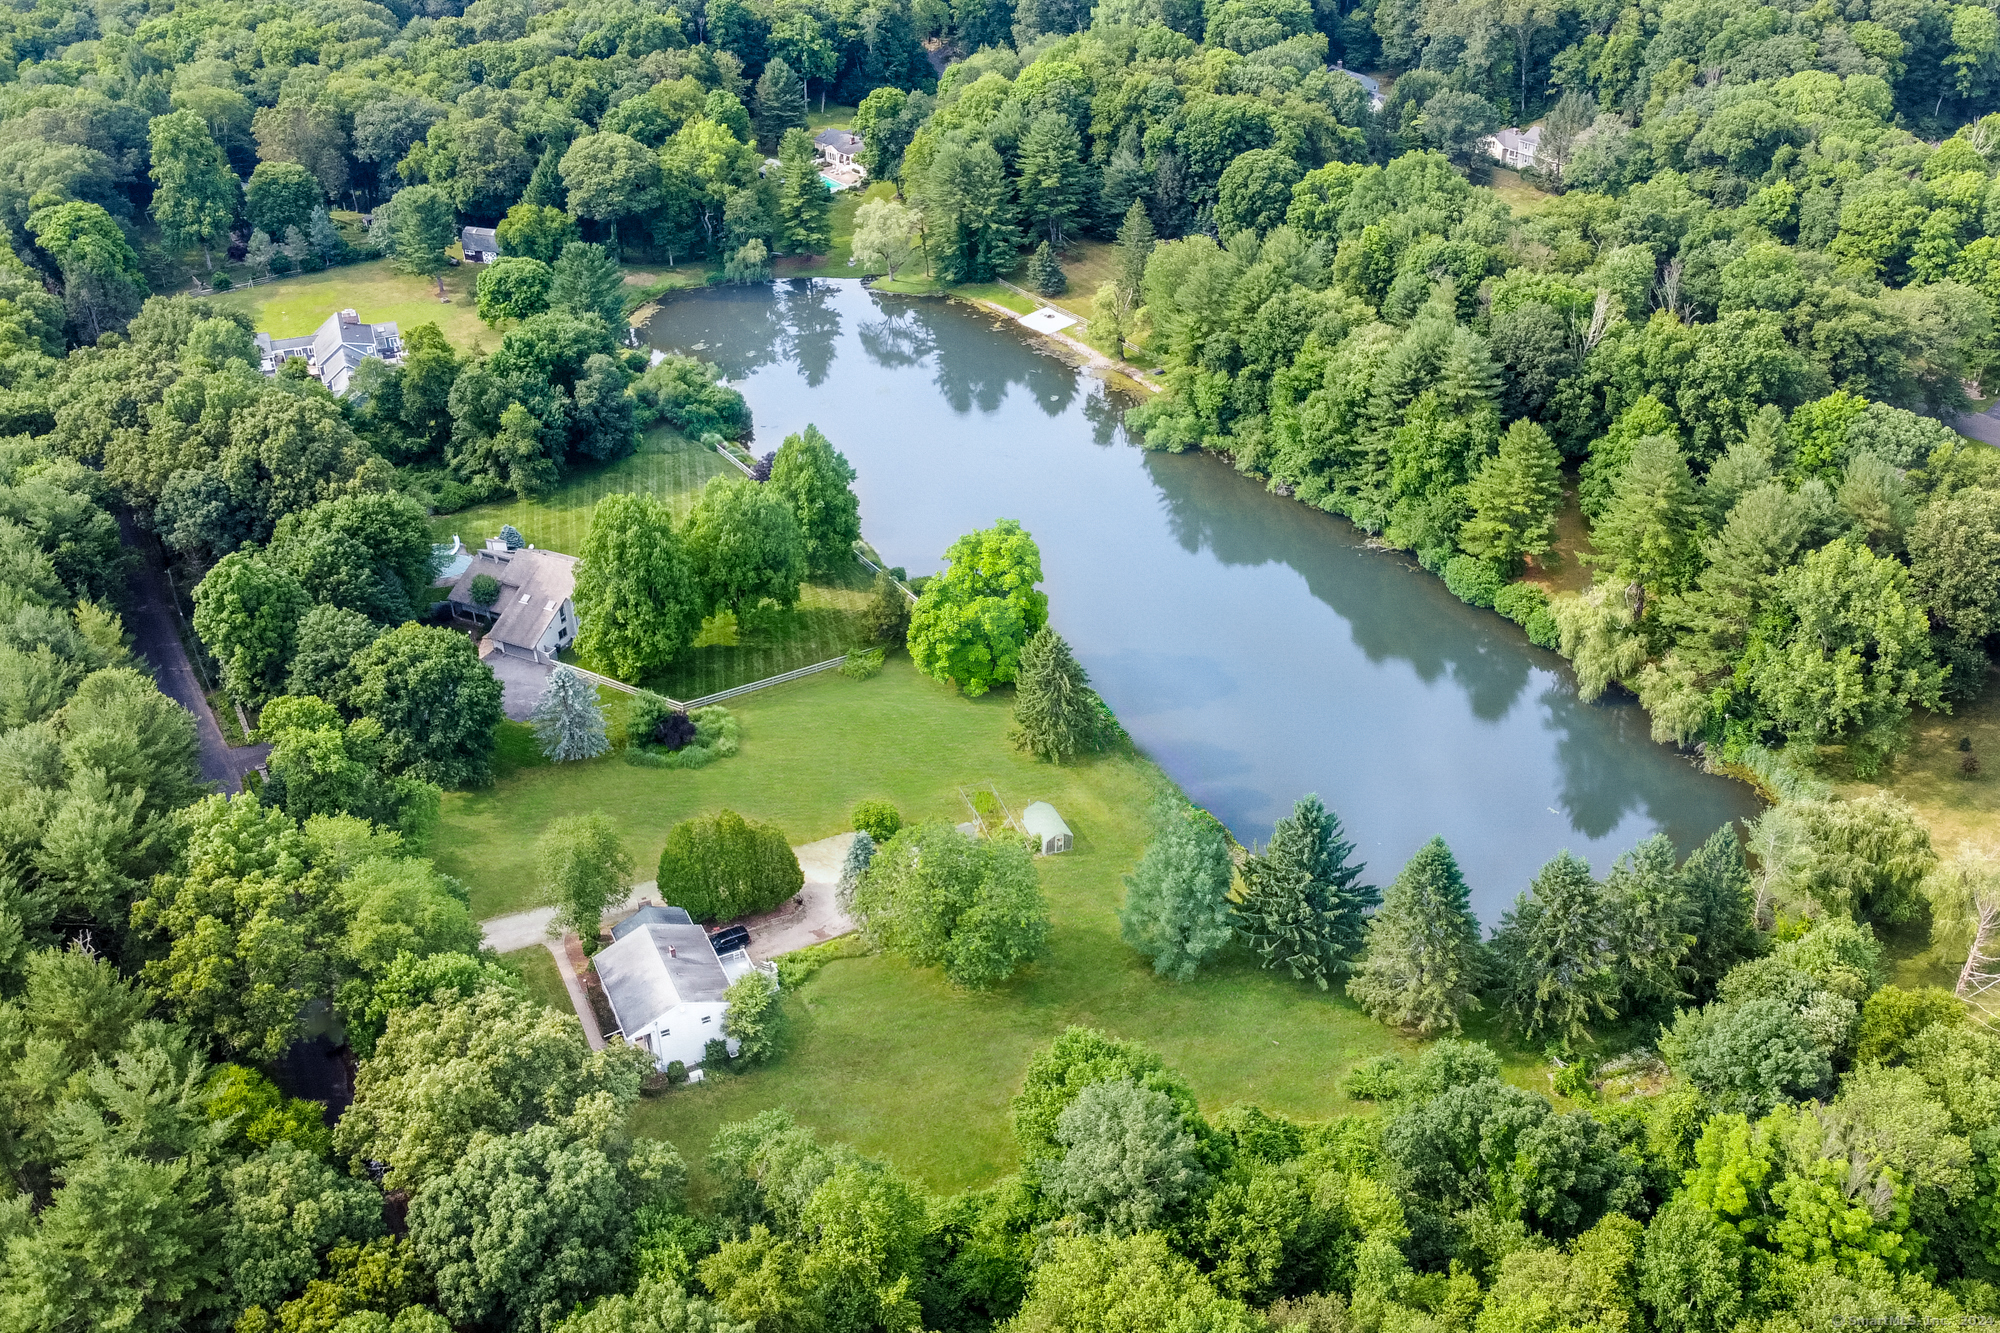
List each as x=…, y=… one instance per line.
x=781, y=103
x=1176, y=908
x=1423, y=958
x=1056, y=713
x=1136, y=239
x=1647, y=536
x=1053, y=177
x=1514, y=497
x=1311, y=839
x=1555, y=955
x=805, y=208
x=1716, y=886
x=1651, y=918
x=545, y=186
x=568, y=719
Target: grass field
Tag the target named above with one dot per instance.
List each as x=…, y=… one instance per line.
x=537, y=969
x=825, y=624
x=667, y=465
x=291, y=307
x=882, y=1055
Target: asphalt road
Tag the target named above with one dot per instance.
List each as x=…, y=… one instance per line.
x=149, y=619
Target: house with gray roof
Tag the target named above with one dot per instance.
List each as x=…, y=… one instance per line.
x=336, y=349
x=533, y=615
x=481, y=245
x=666, y=983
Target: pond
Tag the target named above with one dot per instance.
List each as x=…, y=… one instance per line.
x=1256, y=648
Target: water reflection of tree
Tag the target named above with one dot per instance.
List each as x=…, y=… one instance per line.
x=898, y=340
x=1610, y=766
x=811, y=320
x=737, y=328
x=1105, y=411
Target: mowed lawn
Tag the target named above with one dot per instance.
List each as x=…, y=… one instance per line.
x=883, y=1055
x=537, y=969
x=666, y=464
x=294, y=306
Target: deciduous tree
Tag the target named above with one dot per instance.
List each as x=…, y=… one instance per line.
x=247, y=612
x=584, y=870
x=744, y=544
x=818, y=483
x=436, y=702
x=971, y=906
x=194, y=191
x=415, y=227
x=972, y=621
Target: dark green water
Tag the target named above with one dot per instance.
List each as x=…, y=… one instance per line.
x=1251, y=645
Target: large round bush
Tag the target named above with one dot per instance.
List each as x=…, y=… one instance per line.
x=719, y=867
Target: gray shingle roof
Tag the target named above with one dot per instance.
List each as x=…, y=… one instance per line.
x=656, y=967
x=533, y=586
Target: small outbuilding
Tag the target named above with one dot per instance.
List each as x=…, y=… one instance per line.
x=1046, y=827
x=480, y=244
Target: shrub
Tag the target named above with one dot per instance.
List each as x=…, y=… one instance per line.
x=222, y=282
x=722, y=866
x=863, y=663
x=1373, y=1080
x=1471, y=579
x=878, y=819
x=653, y=728
x=1527, y=605
x=715, y=1056
x=752, y=1018
x=677, y=1072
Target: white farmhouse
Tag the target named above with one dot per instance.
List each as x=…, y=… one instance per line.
x=665, y=983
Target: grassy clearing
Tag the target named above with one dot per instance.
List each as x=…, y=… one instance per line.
x=1563, y=569
x=998, y=295
x=539, y=974
x=1087, y=264
x=1962, y=811
x=833, y=115
x=667, y=464
x=727, y=653
x=833, y=264
x=295, y=306
x=882, y=1055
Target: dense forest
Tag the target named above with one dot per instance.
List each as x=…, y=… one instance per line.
x=1754, y=278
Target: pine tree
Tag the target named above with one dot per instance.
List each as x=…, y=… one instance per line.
x=1514, y=498
x=1423, y=948
x=324, y=237
x=805, y=208
x=1045, y=273
x=1176, y=908
x=1311, y=840
x=1052, y=175
x=1717, y=888
x=1281, y=917
x=1136, y=239
x=545, y=187
x=1647, y=534
x=1055, y=710
x=568, y=720
x=1555, y=954
x=781, y=103
x=1651, y=923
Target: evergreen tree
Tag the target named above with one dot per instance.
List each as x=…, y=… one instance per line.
x=324, y=237
x=1514, y=498
x=569, y=721
x=1311, y=840
x=585, y=280
x=1176, y=908
x=1281, y=917
x=1045, y=273
x=545, y=187
x=1136, y=239
x=1759, y=540
x=1651, y=918
x=805, y=206
x=781, y=103
x=1053, y=179
x=1423, y=948
x=855, y=864
x=1055, y=710
x=1716, y=886
x=1647, y=535
x=1554, y=954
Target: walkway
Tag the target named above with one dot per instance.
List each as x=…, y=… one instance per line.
x=1092, y=358
x=153, y=624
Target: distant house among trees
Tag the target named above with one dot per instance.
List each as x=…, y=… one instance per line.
x=335, y=350
x=666, y=982
x=1512, y=148
x=525, y=597
x=839, y=153
x=480, y=244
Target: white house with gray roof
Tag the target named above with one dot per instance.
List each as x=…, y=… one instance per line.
x=533, y=615
x=334, y=350
x=666, y=983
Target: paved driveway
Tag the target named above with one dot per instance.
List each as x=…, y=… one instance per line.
x=521, y=683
